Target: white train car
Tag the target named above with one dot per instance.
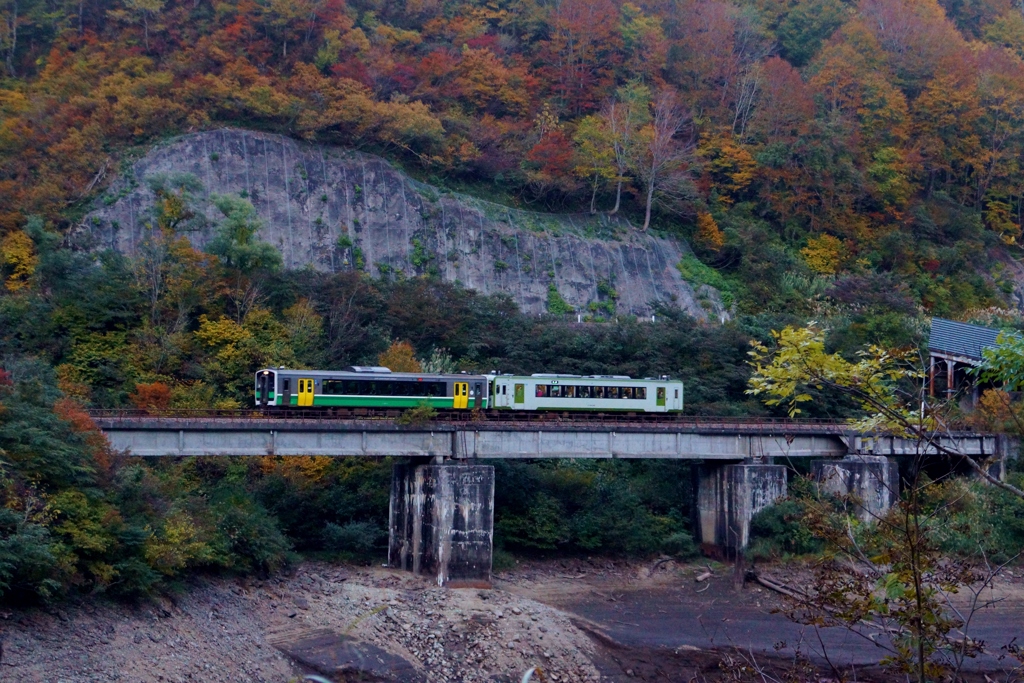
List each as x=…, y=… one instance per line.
x=592, y=393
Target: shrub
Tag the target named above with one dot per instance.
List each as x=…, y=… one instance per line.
x=778, y=530
x=357, y=538
x=420, y=415
x=556, y=304
x=254, y=541
x=681, y=545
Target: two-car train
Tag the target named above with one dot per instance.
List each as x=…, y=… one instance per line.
x=378, y=387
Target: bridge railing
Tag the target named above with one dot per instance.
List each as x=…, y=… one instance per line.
x=469, y=416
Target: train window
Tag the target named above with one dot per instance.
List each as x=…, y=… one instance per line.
x=612, y=392
x=598, y=392
x=583, y=392
x=627, y=392
x=331, y=386
x=677, y=393
x=287, y=385
x=542, y=390
x=555, y=391
x=504, y=390
x=641, y=393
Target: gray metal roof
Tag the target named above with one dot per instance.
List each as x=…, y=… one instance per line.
x=960, y=339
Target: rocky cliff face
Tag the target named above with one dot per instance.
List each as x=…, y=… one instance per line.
x=336, y=210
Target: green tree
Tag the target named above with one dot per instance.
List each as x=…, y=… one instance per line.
x=806, y=26
x=595, y=154
x=245, y=258
x=624, y=118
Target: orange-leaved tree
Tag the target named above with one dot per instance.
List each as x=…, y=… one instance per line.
x=400, y=357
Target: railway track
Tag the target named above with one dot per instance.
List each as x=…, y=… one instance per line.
x=466, y=417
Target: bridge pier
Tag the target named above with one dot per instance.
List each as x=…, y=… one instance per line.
x=728, y=497
x=442, y=522
x=873, y=481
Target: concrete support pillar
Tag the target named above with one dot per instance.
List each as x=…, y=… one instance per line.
x=872, y=480
x=442, y=522
x=728, y=497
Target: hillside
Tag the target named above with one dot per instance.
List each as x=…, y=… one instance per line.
x=864, y=152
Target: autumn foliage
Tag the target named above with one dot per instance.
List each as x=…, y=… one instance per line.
x=829, y=119
x=400, y=357
x=152, y=397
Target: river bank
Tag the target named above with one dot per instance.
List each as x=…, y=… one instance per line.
x=579, y=620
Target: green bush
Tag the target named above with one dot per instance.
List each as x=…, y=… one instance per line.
x=778, y=530
x=556, y=304
x=681, y=545
x=254, y=540
x=356, y=538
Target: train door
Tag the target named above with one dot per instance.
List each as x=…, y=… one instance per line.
x=520, y=395
x=461, y=395
x=501, y=399
x=677, y=398
x=478, y=395
x=305, y=392
x=661, y=397
x=286, y=391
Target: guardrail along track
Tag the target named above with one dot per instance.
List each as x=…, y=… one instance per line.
x=467, y=418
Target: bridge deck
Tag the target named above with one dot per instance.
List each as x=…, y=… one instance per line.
x=552, y=436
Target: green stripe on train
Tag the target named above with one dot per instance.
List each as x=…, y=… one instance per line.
x=378, y=401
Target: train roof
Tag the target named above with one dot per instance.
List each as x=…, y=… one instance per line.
x=367, y=372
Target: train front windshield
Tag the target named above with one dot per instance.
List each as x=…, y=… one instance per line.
x=264, y=387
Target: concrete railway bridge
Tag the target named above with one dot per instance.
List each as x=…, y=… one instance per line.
x=442, y=504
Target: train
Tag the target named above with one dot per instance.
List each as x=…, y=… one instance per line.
x=369, y=387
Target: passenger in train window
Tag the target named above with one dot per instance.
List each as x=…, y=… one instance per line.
x=583, y=391
x=569, y=392
x=641, y=393
x=612, y=392
x=598, y=392
x=627, y=392
x=555, y=391
x=542, y=391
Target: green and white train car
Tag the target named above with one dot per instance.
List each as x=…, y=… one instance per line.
x=604, y=393
x=368, y=387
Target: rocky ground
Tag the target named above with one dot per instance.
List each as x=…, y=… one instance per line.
x=376, y=623
x=579, y=620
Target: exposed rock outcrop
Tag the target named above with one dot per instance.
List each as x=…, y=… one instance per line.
x=334, y=210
